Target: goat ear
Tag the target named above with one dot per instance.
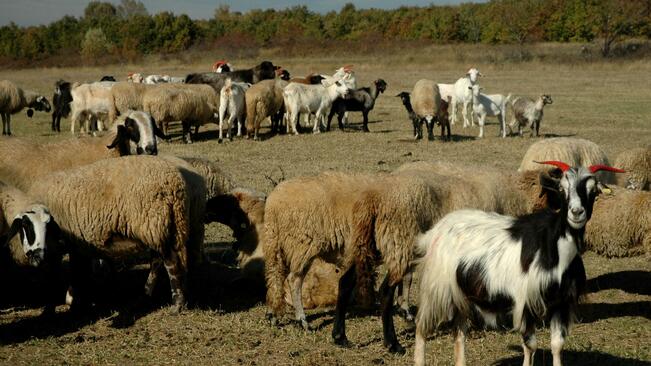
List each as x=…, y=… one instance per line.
x=13, y=230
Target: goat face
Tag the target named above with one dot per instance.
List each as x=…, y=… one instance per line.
x=547, y=99
x=34, y=226
x=579, y=189
x=473, y=74
x=381, y=85
x=342, y=89
x=41, y=104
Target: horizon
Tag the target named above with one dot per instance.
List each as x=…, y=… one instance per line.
x=27, y=13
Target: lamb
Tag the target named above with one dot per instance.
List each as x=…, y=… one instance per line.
x=265, y=70
x=22, y=161
x=463, y=95
x=620, y=224
x=61, y=101
x=530, y=265
x=231, y=101
x=359, y=100
x=222, y=66
x=264, y=99
x=14, y=99
x=574, y=151
x=90, y=103
x=637, y=163
x=447, y=94
x=426, y=101
x=489, y=105
x=317, y=99
x=105, y=210
x=190, y=104
x=38, y=244
x=365, y=214
x=527, y=112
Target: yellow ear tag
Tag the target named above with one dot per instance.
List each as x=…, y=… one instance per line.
x=606, y=190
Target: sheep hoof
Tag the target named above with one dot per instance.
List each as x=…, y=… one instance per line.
x=219, y=141
x=396, y=348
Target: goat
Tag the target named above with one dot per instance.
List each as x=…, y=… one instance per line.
x=527, y=112
x=315, y=99
x=489, y=105
x=61, y=103
x=463, y=95
x=528, y=265
x=359, y=100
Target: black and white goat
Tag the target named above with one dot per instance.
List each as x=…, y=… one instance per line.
x=492, y=264
x=61, y=103
x=359, y=100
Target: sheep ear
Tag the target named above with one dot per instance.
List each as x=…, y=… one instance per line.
x=121, y=135
x=158, y=132
x=13, y=230
x=30, y=113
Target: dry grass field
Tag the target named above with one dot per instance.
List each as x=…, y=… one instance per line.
x=608, y=103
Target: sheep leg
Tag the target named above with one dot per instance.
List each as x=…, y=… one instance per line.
x=154, y=273
x=187, y=135
x=387, y=292
x=8, y=117
x=529, y=343
x=365, y=127
x=459, y=341
x=558, y=328
x=296, y=285
x=294, y=118
x=464, y=114
x=346, y=286
x=404, y=289
x=54, y=122
x=176, y=272
x=81, y=270
x=4, y=128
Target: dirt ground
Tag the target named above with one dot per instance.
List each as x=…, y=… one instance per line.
x=607, y=103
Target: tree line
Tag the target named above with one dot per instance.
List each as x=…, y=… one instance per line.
x=128, y=30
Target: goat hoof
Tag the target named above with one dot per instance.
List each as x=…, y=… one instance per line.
x=396, y=348
x=219, y=141
x=365, y=129
x=341, y=341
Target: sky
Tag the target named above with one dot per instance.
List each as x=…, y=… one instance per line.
x=35, y=12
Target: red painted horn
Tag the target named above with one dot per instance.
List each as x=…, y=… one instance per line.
x=559, y=164
x=596, y=168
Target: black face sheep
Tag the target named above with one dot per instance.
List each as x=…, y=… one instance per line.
x=61, y=101
x=14, y=99
x=358, y=100
x=528, y=265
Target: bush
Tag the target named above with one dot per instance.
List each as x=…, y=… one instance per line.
x=95, y=46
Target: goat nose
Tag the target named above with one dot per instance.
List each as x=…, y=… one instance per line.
x=577, y=210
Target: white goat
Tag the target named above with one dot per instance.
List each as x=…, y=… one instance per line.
x=494, y=264
x=345, y=74
x=231, y=101
x=463, y=95
x=489, y=105
x=317, y=99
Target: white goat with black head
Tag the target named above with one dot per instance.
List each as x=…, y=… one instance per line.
x=528, y=265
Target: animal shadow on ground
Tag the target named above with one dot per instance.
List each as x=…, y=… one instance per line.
x=634, y=282
x=543, y=357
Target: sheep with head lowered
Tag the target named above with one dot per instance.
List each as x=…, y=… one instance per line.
x=125, y=96
x=14, y=99
x=637, y=163
x=426, y=103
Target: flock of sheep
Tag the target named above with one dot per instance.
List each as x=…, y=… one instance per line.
x=485, y=242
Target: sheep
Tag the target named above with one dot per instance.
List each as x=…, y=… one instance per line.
x=231, y=101
x=405, y=97
x=265, y=70
x=61, y=103
x=574, y=151
x=90, y=103
x=105, y=210
x=14, y=99
x=217, y=181
x=529, y=265
x=426, y=102
x=190, y=104
x=620, y=224
x=22, y=161
x=315, y=99
x=38, y=243
x=489, y=105
x=447, y=94
x=463, y=95
x=527, y=112
x=222, y=66
x=126, y=96
x=362, y=100
x=264, y=99
x=637, y=163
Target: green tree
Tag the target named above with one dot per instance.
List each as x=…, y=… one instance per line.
x=613, y=19
x=95, y=45
x=131, y=8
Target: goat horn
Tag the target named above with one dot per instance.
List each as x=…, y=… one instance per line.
x=559, y=164
x=596, y=168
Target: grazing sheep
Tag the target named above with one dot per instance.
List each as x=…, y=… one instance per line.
x=90, y=104
x=193, y=105
x=317, y=99
x=527, y=112
x=620, y=224
x=463, y=95
x=232, y=101
x=528, y=265
x=38, y=243
x=573, y=151
x=14, y=99
x=426, y=102
x=105, y=209
x=405, y=97
x=359, y=100
x=222, y=66
x=265, y=70
x=217, y=181
x=61, y=103
x=22, y=161
x=637, y=163
x=489, y=105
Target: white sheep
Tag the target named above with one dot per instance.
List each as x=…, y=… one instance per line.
x=317, y=99
x=232, y=102
x=527, y=112
x=463, y=95
x=90, y=103
x=493, y=105
x=14, y=99
x=426, y=103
